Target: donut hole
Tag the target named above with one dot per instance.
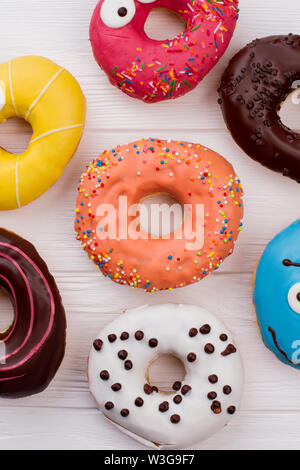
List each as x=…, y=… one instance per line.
x=288, y=112
x=164, y=371
x=160, y=215
x=163, y=24
x=15, y=135
x=7, y=313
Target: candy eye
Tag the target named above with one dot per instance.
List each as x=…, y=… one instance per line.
x=117, y=13
x=294, y=297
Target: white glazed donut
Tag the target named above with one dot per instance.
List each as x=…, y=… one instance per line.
x=201, y=405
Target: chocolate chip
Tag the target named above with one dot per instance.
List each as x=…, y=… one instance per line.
x=122, y=12
x=122, y=354
x=177, y=399
x=213, y=379
x=155, y=389
x=139, y=402
x=104, y=374
x=175, y=419
x=205, y=329
x=229, y=350
x=186, y=389
x=209, y=348
x=177, y=386
x=124, y=412
x=124, y=336
x=216, y=407
x=147, y=389
x=223, y=337
x=193, y=332
x=153, y=342
x=98, y=343
x=231, y=410
x=211, y=395
x=128, y=365
x=139, y=335
x=163, y=407
x=227, y=390
x=116, y=387
x=109, y=405
x=112, y=338
x=191, y=357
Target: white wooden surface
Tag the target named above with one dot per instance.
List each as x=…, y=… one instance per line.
x=65, y=415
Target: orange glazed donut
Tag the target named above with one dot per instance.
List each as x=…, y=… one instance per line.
x=198, y=178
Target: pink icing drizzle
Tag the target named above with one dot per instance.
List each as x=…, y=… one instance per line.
x=38, y=346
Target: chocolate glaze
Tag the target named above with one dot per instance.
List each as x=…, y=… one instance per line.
x=254, y=86
x=33, y=347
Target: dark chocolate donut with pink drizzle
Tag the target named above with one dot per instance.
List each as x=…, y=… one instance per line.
x=33, y=346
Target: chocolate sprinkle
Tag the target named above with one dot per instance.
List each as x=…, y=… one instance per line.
x=186, y=389
x=139, y=402
x=104, y=374
x=211, y=395
x=128, y=365
x=216, y=407
x=213, y=379
x=191, y=357
x=112, y=338
x=122, y=354
x=229, y=350
x=231, y=410
x=177, y=386
x=175, y=419
x=148, y=389
x=209, y=348
x=227, y=390
x=98, y=343
x=109, y=405
x=193, y=332
x=205, y=329
x=223, y=337
x=116, y=387
x=124, y=336
x=177, y=399
x=163, y=407
x=124, y=413
x=139, y=335
x=153, y=342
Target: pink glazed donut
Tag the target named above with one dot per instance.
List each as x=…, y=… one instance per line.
x=153, y=70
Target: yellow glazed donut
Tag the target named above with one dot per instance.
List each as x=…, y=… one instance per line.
x=50, y=99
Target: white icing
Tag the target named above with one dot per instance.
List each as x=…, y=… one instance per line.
x=146, y=1
x=2, y=95
x=294, y=303
x=110, y=16
x=170, y=325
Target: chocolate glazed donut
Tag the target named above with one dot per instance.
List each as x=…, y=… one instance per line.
x=254, y=86
x=32, y=348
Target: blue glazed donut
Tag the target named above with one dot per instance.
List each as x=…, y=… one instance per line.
x=277, y=295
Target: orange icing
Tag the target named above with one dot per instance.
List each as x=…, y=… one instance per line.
x=191, y=174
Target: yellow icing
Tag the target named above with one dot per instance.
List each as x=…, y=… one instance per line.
x=50, y=99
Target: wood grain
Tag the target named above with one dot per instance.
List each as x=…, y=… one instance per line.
x=65, y=416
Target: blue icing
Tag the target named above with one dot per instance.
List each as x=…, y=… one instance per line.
x=273, y=283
